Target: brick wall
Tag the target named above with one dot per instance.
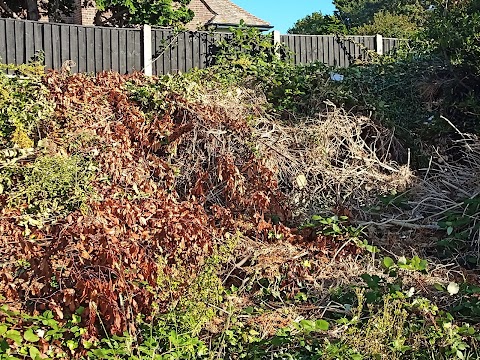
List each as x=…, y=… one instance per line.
x=84, y=16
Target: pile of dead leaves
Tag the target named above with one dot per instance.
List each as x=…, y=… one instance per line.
x=169, y=186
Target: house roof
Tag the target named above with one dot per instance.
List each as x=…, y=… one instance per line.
x=225, y=12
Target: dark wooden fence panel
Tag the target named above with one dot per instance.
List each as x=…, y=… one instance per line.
x=389, y=44
x=93, y=49
x=180, y=52
x=329, y=49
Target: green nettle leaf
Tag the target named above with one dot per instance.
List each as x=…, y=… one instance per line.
x=321, y=325
x=438, y=287
x=388, y=262
x=14, y=335
x=34, y=353
x=30, y=336
x=3, y=329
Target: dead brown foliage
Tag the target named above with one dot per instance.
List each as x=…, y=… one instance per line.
x=170, y=186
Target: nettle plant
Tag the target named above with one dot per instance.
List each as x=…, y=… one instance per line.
x=250, y=55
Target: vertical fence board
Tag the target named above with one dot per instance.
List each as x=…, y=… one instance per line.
x=192, y=57
x=338, y=53
x=38, y=35
x=29, y=44
x=56, y=45
x=115, y=50
x=138, y=53
x=65, y=41
x=98, y=61
x=204, y=44
x=82, y=50
x=181, y=56
x=169, y=43
x=107, y=51
x=47, y=46
x=90, y=35
x=19, y=40
x=73, y=45
x=195, y=38
x=130, y=39
x=122, y=45
x=3, y=40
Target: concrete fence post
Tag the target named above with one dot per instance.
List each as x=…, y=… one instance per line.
x=147, y=50
x=276, y=41
x=379, y=44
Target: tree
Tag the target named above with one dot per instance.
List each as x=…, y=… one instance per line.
x=357, y=13
x=166, y=13
x=33, y=9
x=319, y=24
x=389, y=25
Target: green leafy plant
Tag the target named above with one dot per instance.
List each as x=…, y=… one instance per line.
x=127, y=12
x=21, y=335
x=24, y=105
x=51, y=186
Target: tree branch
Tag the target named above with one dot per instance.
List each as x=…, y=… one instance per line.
x=7, y=9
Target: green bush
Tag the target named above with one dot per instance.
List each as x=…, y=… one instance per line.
x=453, y=31
x=24, y=105
x=50, y=187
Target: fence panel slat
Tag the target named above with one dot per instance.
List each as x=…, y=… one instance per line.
x=106, y=50
x=47, y=46
x=98, y=54
x=38, y=35
x=3, y=40
x=65, y=41
x=82, y=50
x=56, y=46
x=90, y=35
x=29, y=44
x=73, y=45
x=115, y=50
x=122, y=45
x=138, y=53
x=19, y=42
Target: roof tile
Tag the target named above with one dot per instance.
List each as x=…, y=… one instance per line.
x=226, y=12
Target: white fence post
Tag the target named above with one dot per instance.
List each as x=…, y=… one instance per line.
x=147, y=50
x=276, y=41
x=379, y=44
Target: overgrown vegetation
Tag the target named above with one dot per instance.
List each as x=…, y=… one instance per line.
x=252, y=210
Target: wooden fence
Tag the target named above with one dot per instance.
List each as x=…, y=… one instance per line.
x=172, y=52
x=93, y=49
x=335, y=50
x=157, y=51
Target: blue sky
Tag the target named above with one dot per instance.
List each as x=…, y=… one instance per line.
x=284, y=13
